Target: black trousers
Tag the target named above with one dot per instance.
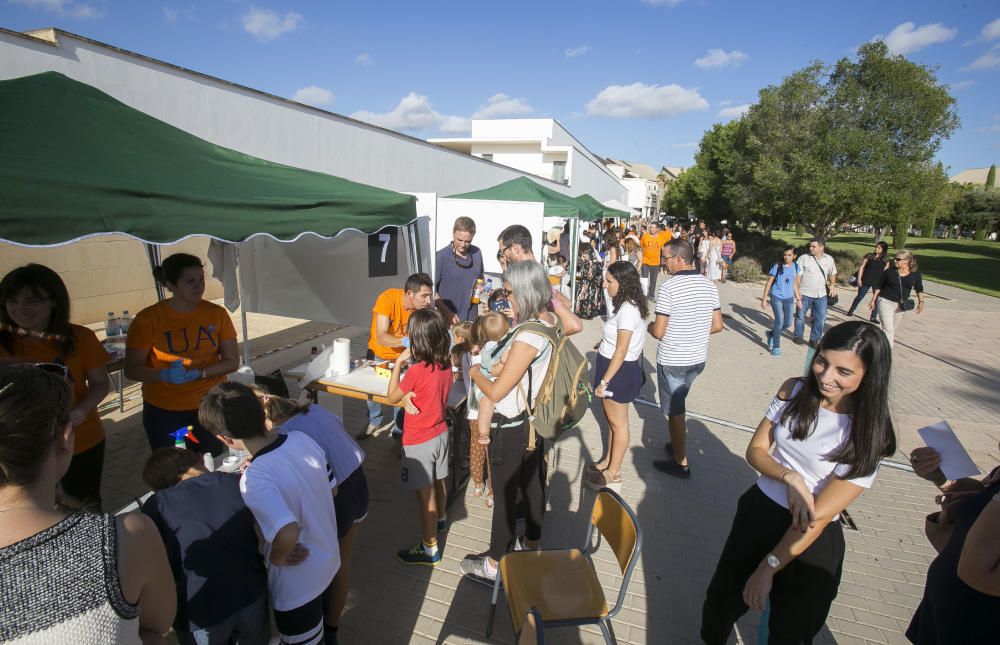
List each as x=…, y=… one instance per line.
x=513, y=469
x=82, y=480
x=802, y=591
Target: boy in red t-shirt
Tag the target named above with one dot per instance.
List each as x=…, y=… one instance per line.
x=424, y=393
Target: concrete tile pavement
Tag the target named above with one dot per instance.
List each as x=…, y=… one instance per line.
x=685, y=522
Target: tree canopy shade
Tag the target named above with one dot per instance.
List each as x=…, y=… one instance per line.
x=554, y=204
x=76, y=162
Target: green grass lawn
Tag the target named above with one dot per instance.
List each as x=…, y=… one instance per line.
x=960, y=263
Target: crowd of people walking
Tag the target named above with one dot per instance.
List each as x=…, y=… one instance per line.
x=302, y=493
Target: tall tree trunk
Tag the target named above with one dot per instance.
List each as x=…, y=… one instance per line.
x=899, y=233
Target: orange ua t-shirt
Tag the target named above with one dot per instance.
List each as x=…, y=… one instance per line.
x=389, y=303
x=652, y=245
x=195, y=337
x=88, y=353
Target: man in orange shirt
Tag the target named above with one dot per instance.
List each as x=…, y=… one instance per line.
x=652, y=243
x=390, y=317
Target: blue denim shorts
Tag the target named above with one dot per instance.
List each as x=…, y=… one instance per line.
x=674, y=383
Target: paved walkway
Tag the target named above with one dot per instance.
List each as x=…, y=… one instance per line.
x=942, y=370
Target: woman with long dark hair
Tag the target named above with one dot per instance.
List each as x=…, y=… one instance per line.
x=828, y=431
x=179, y=349
x=589, y=294
x=782, y=290
x=618, y=371
x=35, y=327
x=67, y=577
x=870, y=276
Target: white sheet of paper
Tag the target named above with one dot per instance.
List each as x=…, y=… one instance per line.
x=955, y=461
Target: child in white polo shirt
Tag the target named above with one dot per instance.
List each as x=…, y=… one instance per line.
x=287, y=486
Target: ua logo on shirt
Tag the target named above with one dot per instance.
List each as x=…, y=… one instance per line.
x=203, y=335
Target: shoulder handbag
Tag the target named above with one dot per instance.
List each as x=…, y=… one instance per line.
x=906, y=304
x=831, y=299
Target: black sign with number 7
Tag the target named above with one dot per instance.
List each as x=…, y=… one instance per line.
x=382, y=259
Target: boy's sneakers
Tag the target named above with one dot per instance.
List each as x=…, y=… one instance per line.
x=475, y=568
x=775, y=351
x=417, y=554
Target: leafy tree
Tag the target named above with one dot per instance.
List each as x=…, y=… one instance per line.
x=991, y=177
x=853, y=142
x=978, y=208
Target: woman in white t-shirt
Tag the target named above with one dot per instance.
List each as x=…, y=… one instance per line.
x=515, y=465
x=618, y=373
x=828, y=433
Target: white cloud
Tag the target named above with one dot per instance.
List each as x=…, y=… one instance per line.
x=638, y=101
x=173, y=14
x=665, y=3
x=961, y=85
x=455, y=125
x=577, y=51
x=364, y=60
x=266, y=25
x=725, y=102
x=691, y=145
x=719, y=58
x=991, y=129
x=500, y=105
x=908, y=38
x=734, y=112
x=63, y=8
x=991, y=31
x=313, y=95
x=988, y=60
x=414, y=112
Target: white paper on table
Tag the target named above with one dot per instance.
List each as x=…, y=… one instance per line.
x=955, y=461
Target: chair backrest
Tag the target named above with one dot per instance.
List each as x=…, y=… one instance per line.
x=618, y=525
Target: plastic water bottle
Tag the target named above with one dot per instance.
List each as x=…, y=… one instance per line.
x=111, y=327
x=124, y=323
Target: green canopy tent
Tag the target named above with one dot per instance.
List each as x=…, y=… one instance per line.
x=554, y=204
x=605, y=211
x=75, y=162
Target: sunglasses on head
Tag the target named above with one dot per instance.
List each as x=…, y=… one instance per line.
x=53, y=368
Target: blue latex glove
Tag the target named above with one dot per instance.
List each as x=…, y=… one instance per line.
x=176, y=374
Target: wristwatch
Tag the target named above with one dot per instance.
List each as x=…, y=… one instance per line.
x=773, y=561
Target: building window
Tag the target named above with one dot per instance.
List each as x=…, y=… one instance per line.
x=488, y=156
x=559, y=171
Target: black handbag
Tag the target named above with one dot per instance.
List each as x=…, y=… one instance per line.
x=906, y=304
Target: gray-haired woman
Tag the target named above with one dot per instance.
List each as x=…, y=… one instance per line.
x=514, y=465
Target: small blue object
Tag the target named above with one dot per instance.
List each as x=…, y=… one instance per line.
x=406, y=342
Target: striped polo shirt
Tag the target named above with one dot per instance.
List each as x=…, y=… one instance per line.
x=688, y=299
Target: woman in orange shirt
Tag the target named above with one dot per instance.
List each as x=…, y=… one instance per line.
x=35, y=328
x=179, y=349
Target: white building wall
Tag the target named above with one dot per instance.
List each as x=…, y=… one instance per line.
x=253, y=122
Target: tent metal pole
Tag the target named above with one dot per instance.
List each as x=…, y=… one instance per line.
x=415, y=259
x=243, y=305
x=573, y=248
x=153, y=253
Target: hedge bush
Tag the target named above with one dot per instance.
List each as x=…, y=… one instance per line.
x=745, y=269
x=766, y=251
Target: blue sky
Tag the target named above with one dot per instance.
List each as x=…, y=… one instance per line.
x=633, y=79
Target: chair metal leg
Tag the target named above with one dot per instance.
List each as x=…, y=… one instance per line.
x=493, y=604
x=609, y=632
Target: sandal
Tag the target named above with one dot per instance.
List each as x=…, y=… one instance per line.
x=477, y=489
x=489, y=498
x=592, y=468
x=599, y=480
